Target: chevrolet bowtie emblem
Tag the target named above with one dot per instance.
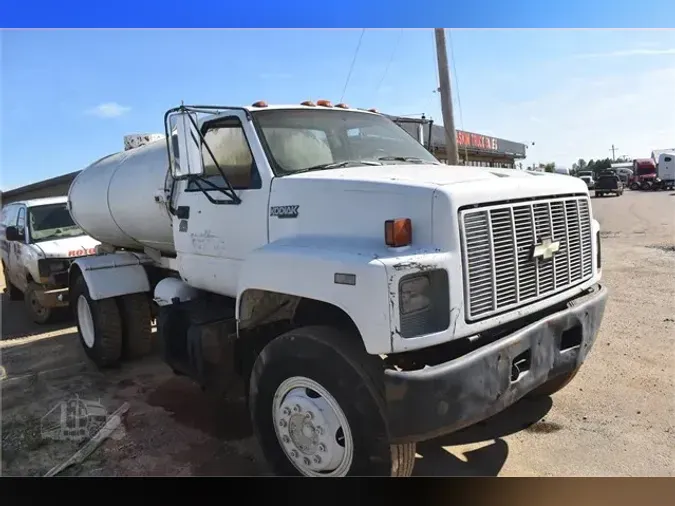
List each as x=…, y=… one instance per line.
x=546, y=249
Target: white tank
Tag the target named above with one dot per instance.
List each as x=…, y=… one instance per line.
x=114, y=199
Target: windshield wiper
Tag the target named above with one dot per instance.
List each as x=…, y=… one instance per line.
x=413, y=159
x=335, y=165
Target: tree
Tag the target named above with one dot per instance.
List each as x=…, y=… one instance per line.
x=549, y=167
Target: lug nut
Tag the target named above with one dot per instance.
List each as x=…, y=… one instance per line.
x=296, y=408
x=322, y=448
x=282, y=423
x=286, y=439
x=287, y=411
x=306, y=461
x=319, y=430
x=317, y=459
x=294, y=454
x=309, y=415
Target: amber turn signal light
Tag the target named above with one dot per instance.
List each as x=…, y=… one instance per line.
x=398, y=232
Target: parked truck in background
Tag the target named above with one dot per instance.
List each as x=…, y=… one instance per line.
x=644, y=174
x=39, y=242
x=367, y=296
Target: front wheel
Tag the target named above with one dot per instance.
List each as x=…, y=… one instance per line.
x=38, y=313
x=317, y=407
x=634, y=186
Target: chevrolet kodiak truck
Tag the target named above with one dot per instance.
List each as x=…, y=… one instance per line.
x=368, y=296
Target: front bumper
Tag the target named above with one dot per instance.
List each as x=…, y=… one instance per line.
x=52, y=298
x=427, y=403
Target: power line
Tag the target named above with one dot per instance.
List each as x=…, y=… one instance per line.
x=349, y=75
x=391, y=58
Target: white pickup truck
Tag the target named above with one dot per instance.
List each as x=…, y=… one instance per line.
x=368, y=296
x=39, y=241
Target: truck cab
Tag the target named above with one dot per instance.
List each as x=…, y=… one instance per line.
x=366, y=296
x=39, y=242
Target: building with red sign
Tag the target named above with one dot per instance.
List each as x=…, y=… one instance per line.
x=474, y=149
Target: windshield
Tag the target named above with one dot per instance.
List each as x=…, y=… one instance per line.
x=51, y=222
x=302, y=140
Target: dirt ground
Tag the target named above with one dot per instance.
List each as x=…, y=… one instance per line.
x=615, y=419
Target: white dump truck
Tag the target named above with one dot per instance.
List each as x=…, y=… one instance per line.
x=367, y=296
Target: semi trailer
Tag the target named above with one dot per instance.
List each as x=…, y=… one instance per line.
x=366, y=296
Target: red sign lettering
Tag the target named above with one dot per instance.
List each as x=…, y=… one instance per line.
x=82, y=252
x=476, y=141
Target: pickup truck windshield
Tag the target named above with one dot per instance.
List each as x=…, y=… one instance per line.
x=52, y=221
x=305, y=140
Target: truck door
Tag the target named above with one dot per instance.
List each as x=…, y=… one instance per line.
x=16, y=266
x=212, y=239
x=9, y=216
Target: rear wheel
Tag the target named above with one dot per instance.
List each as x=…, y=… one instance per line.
x=37, y=312
x=634, y=186
x=99, y=326
x=318, y=408
x=136, y=325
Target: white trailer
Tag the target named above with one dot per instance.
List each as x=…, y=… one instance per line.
x=368, y=296
x=665, y=170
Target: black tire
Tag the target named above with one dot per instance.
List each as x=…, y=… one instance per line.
x=136, y=325
x=339, y=363
x=553, y=385
x=599, y=194
x=12, y=291
x=106, y=349
x=37, y=312
x=634, y=186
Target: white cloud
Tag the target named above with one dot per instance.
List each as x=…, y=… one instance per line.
x=109, y=110
x=630, y=52
x=582, y=118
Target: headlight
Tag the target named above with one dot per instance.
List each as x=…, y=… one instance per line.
x=58, y=266
x=415, y=295
x=424, y=303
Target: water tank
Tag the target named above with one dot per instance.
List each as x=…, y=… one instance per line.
x=115, y=200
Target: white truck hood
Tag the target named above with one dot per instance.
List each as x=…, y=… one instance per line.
x=464, y=180
x=68, y=247
x=356, y=201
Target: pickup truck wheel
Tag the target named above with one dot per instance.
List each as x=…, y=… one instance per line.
x=99, y=326
x=136, y=325
x=318, y=408
x=38, y=313
x=12, y=291
x=553, y=385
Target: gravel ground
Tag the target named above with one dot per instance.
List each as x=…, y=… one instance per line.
x=614, y=419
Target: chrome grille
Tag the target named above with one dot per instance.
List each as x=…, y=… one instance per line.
x=499, y=271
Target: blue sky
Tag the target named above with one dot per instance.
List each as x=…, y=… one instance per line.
x=69, y=97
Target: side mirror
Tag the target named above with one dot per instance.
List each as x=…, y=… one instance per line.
x=187, y=156
x=12, y=234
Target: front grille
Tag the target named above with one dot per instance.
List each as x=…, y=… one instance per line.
x=498, y=241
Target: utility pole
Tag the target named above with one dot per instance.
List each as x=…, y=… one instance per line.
x=613, y=150
x=446, y=98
